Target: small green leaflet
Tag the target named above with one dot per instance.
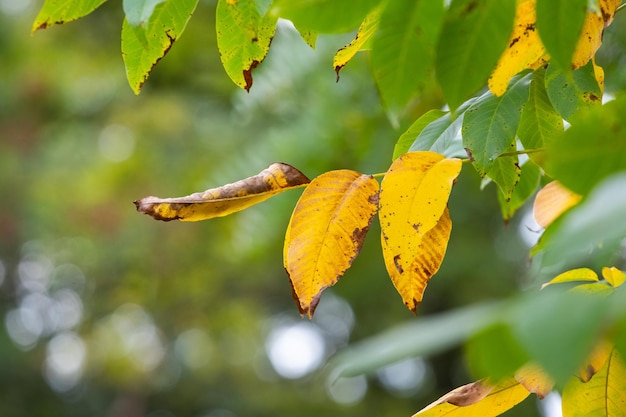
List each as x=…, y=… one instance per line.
x=62, y=11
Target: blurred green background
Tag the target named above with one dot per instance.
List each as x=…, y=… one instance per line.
x=106, y=312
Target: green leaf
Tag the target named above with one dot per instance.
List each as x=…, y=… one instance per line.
x=573, y=93
x=406, y=140
x=558, y=329
x=324, y=16
x=559, y=23
x=540, y=123
x=494, y=353
x=596, y=223
x=423, y=337
x=62, y=11
x=505, y=172
x=143, y=46
x=593, y=148
x=243, y=38
x=490, y=123
x=442, y=136
x=308, y=36
x=138, y=12
x=403, y=49
x=525, y=188
x=474, y=35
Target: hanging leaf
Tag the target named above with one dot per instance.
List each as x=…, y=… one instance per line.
x=473, y=37
x=62, y=11
x=227, y=199
x=477, y=399
x=560, y=24
x=506, y=172
x=442, y=136
x=243, y=38
x=415, y=224
x=535, y=380
x=490, y=123
x=403, y=49
x=539, y=123
x=364, y=34
x=406, y=140
x=552, y=201
x=591, y=37
x=308, y=36
x=602, y=395
x=574, y=92
x=143, y=46
x=326, y=231
x=595, y=362
x=524, y=50
x=324, y=16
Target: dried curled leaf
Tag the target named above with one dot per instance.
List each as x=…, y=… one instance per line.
x=227, y=199
x=326, y=232
x=477, y=399
x=415, y=224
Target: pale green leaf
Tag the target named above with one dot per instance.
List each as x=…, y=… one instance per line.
x=62, y=11
x=138, y=12
x=406, y=140
x=525, y=188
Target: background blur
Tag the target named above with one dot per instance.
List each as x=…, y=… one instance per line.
x=105, y=312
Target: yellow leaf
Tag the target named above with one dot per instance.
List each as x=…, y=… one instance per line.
x=477, y=399
x=614, y=276
x=595, y=362
x=226, y=199
x=552, y=201
x=524, y=50
x=535, y=380
x=326, y=231
x=602, y=395
x=415, y=223
x=579, y=274
x=365, y=32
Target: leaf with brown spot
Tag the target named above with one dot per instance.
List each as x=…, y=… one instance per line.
x=54, y=12
x=552, y=201
x=244, y=34
x=144, y=45
x=326, y=231
x=415, y=224
x=363, y=35
x=535, y=380
x=477, y=399
x=227, y=199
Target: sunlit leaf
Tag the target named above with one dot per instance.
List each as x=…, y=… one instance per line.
x=614, y=276
x=593, y=148
x=595, y=362
x=573, y=275
x=591, y=37
x=226, y=199
x=535, y=380
x=525, y=188
x=602, y=395
x=143, y=46
x=473, y=36
x=490, y=123
x=415, y=224
x=575, y=92
x=363, y=35
x=243, y=38
x=524, y=50
x=326, y=231
x=477, y=399
x=539, y=123
x=552, y=201
x=403, y=49
x=62, y=11
x=560, y=24
x=324, y=16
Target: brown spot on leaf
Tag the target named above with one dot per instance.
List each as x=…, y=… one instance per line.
x=396, y=262
x=471, y=6
x=469, y=154
x=469, y=394
x=513, y=42
x=247, y=75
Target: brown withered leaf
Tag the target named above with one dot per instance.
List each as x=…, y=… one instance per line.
x=227, y=199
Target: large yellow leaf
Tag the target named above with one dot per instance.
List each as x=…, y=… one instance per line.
x=326, y=231
x=226, y=199
x=526, y=51
x=477, y=399
x=552, y=201
x=414, y=220
x=602, y=396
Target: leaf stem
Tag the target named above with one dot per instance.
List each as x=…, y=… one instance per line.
x=620, y=7
x=522, y=152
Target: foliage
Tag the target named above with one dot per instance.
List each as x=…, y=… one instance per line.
x=536, y=59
